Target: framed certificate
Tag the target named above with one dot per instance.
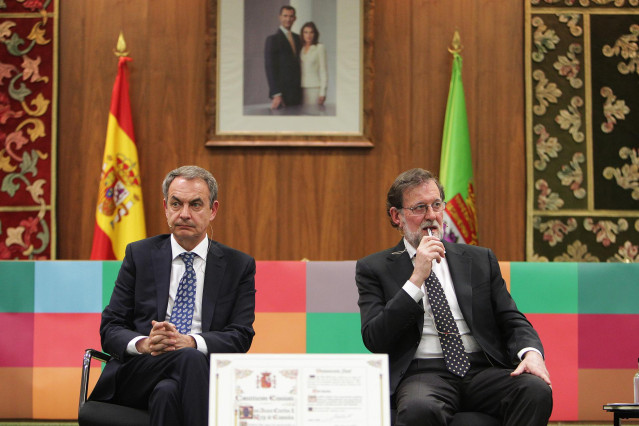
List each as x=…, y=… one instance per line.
x=299, y=390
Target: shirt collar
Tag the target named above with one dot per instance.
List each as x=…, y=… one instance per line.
x=201, y=249
x=412, y=251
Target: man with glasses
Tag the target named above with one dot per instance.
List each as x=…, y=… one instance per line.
x=455, y=338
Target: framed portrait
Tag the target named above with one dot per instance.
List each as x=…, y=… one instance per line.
x=292, y=74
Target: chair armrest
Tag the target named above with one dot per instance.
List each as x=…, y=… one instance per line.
x=86, y=367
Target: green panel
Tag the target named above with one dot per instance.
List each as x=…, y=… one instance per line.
x=544, y=288
x=608, y=288
x=110, y=271
x=334, y=333
x=17, y=286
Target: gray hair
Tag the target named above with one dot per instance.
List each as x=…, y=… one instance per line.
x=406, y=180
x=188, y=173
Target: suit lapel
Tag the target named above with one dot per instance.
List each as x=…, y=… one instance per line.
x=161, y=259
x=215, y=267
x=399, y=264
x=460, y=266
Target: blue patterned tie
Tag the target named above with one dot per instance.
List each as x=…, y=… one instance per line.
x=182, y=315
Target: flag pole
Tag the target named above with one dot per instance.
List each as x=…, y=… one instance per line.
x=456, y=46
x=120, y=47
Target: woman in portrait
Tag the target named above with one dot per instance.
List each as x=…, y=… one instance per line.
x=314, y=73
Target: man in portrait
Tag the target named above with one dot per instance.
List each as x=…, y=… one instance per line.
x=282, y=63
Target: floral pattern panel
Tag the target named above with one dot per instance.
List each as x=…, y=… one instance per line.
x=582, y=80
x=28, y=102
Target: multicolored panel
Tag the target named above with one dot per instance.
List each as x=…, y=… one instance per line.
x=579, y=309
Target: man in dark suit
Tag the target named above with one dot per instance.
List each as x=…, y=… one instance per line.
x=282, y=63
x=178, y=298
x=498, y=368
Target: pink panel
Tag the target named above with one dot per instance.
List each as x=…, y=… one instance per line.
x=608, y=341
x=558, y=334
x=281, y=286
x=17, y=338
x=60, y=339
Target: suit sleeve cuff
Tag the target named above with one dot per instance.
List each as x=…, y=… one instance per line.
x=131, y=349
x=413, y=291
x=200, y=343
x=522, y=352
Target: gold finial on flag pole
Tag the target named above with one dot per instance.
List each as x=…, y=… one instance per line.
x=456, y=46
x=120, y=49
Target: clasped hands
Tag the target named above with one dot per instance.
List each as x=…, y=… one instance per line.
x=163, y=338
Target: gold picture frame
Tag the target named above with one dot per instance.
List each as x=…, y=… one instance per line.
x=237, y=110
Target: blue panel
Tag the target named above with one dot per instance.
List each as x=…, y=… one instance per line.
x=68, y=286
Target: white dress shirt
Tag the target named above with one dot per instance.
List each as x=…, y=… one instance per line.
x=177, y=270
x=429, y=346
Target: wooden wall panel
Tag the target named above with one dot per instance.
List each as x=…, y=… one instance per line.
x=283, y=203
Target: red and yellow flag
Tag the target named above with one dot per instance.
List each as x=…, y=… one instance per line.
x=119, y=216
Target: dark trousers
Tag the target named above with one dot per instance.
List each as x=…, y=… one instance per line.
x=431, y=395
x=174, y=386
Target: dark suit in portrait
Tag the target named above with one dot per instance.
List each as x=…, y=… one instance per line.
x=283, y=69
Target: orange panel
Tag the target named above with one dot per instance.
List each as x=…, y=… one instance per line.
x=56, y=391
x=600, y=386
x=505, y=272
x=280, y=332
x=15, y=392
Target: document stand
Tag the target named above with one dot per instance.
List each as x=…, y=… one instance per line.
x=299, y=390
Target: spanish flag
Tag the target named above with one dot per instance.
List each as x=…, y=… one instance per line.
x=456, y=168
x=119, y=216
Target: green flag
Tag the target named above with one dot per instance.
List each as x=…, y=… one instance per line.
x=456, y=168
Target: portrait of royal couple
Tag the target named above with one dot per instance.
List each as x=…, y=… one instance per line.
x=295, y=64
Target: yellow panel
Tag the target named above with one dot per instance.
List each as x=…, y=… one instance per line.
x=279, y=332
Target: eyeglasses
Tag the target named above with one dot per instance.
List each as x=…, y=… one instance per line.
x=421, y=209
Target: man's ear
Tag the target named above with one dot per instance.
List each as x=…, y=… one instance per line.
x=394, y=214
